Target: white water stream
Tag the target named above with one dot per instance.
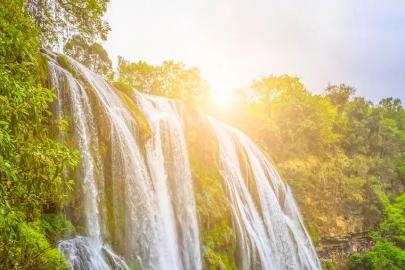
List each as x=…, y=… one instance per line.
x=155, y=202
x=271, y=233
x=171, y=173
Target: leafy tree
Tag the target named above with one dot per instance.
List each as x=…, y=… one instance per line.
x=261, y=128
x=268, y=88
x=394, y=223
x=30, y=161
x=171, y=79
x=391, y=156
x=32, y=250
x=339, y=95
x=58, y=20
x=356, y=130
x=393, y=139
x=337, y=151
x=384, y=256
x=305, y=121
x=93, y=56
x=393, y=109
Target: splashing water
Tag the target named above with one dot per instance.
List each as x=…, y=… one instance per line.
x=83, y=253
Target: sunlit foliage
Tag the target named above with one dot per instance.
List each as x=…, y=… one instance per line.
x=59, y=20
x=93, y=56
x=31, y=162
x=171, y=79
x=342, y=155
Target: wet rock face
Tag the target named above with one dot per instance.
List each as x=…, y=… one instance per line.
x=84, y=253
x=342, y=226
x=348, y=220
x=340, y=244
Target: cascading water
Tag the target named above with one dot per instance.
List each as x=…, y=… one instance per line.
x=133, y=200
x=270, y=230
x=83, y=253
x=171, y=174
x=147, y=212
x=84, y=133
x=136, y=194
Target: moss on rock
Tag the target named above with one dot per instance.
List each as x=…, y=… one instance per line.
x=62, y=60
x=124, y=93
x=126, y=89
x=213, y=207
x=43, y=69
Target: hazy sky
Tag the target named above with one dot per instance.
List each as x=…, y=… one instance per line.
x=357, y=42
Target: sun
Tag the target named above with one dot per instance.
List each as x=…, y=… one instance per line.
x=221, y=99
x=220, y=96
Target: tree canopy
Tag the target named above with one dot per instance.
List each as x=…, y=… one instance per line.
x=93, y=56
x=31, y=161
x=171, y=79
x=59, y=20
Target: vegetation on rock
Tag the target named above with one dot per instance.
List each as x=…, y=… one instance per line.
x=127, y=95
x=213, y=207
x=31, y=162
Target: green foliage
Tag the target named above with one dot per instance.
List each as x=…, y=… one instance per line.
x=59, y=18
x=384, y=256
x=343, y=157
x=269, y=88
x=355, y=260
x=43, y=69
x=18, y=37
x=31, y=163
x=258, y=124
x=303, y=122
x=140, y=118
x=213, y=208
x=327, y=265
x=62, y=60
x=93, y=56
x=127, y=90
x=172, y=80
x=56, y=227
x=214, y=261
x=339, y=95
x=355, y=127
x=392, y=108
x=28, y=245
x=394, y=223
x=31, y=250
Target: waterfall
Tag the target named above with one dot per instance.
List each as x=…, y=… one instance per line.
x=136, y=194
x=145, y=208
x=133, y=200
x=271, y=233
x=171, y=173
x=84, y=133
